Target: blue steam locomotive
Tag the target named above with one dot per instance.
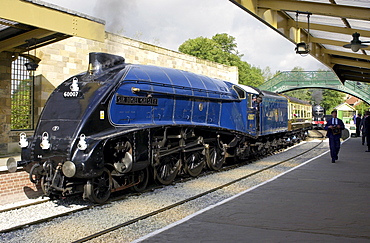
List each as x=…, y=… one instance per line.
x=118, y=125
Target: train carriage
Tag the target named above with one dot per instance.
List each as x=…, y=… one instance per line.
x=299, y=114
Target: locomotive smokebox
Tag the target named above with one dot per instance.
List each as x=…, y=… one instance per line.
x=98, y=62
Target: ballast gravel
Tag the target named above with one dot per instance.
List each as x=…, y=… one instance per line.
x=81, y=224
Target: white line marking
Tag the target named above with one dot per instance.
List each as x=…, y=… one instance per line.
x=224, y=201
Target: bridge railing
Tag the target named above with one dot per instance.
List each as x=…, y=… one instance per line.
x=286, y=81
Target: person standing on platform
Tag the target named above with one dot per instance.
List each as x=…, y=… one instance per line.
x=358, y=122
x=334, y=127
x=366, y=129
x=362, y=127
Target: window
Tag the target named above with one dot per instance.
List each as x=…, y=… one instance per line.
x=239, y=91
x=21, y=96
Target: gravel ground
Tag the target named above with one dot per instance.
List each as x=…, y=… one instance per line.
x=81, y=224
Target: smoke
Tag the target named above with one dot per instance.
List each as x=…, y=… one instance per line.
x=116, y=13
x=164, y=22
x=317, y=96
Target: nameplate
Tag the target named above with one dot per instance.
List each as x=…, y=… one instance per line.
x=133, y=100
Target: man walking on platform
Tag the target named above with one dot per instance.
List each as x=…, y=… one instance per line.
x=334, y=127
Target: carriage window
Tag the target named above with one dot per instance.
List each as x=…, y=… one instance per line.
x=239, y=91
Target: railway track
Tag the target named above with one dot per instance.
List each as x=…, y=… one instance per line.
x=164, y=209
x=133, y=219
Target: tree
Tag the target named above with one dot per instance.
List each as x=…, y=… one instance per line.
x=302, y=94
x=204, y=48
x=222, y=48
x=21, y=117
x=331, y=99
x=361, y=108
x=227, y=43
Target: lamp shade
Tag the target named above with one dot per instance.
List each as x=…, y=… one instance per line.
x=302, y=48
x=31, y=66
x=355, y=44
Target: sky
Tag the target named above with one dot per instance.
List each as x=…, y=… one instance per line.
x=169, y=23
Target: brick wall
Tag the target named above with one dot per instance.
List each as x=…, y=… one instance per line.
x=16, y=187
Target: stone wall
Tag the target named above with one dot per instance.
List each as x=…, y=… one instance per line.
x=69, y=57
x=5, y=111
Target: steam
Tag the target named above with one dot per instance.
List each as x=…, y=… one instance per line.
x=116, y=13
x=317, y=96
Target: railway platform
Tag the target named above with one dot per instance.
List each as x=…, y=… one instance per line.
x=319, y=201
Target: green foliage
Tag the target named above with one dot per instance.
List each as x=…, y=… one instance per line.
x=21, y=105
x=302, y=94
x=223, y=49
x=227, y=43
x=331, y=99
x=204, y=48
x=361, y=108
x=267, y=74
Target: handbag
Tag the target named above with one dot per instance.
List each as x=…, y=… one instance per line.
x=336, y=131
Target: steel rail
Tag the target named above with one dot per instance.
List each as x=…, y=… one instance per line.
x=18, y=227
x=127, y=223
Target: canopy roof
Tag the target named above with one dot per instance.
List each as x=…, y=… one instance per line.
x=331, y=25
x=29, y=24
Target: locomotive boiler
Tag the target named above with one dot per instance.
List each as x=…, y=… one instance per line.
x=118, y=125
x=318, y=114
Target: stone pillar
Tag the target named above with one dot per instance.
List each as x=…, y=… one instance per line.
x=5, y=110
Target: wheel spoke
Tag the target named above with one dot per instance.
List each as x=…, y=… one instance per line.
x=216, y=158
x=143, y=179
x=194, y=163
x=98, y=189
x=167, y=169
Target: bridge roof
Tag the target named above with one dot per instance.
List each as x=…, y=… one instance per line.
x=332, y=23
x=27, y=24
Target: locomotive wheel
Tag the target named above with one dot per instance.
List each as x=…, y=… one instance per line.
x=167, y=169
x=194, y=163
x=45, y=186
x=143, y=176
x=216, y=158
x=99, y=188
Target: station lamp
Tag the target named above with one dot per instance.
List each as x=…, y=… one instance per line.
x=356, y=44
x=303, y=48
x=31, y=65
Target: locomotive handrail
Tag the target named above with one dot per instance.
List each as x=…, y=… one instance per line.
x=138, y=90
x=178, y=87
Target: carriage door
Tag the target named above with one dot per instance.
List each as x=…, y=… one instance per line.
x=252, y=115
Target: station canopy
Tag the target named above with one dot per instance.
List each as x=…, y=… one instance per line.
x=29, y=24
x=325, y=26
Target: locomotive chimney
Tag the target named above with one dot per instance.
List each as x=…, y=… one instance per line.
x=99, y=61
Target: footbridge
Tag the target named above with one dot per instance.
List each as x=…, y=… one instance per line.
x=287, y=81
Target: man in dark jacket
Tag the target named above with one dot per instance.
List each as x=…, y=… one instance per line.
x=366, y=129
x=358, y=123
x=334, y=127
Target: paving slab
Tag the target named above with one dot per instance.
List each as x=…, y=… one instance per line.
x=317, y=202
